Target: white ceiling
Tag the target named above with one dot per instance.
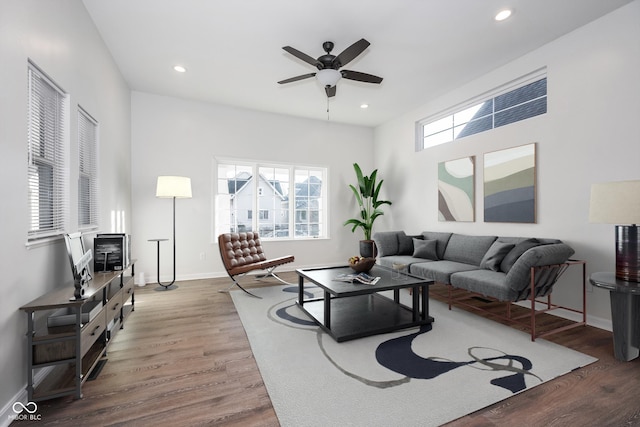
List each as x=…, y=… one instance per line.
x=233, y=49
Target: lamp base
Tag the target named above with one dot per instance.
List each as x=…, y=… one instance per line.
x=166, y=288
x=627, y=254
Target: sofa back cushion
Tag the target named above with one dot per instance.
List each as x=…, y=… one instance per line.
x=494, y=256
x=387, y=242
x=468, y=249
x=441, y=238
x=406, y=244
x=517, y=251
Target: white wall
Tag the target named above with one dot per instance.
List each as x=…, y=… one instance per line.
x=590, y=134
x=61, y=39
x=172, y=136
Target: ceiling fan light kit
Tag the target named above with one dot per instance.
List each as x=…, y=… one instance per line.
x=329, y=65
x=328, y=77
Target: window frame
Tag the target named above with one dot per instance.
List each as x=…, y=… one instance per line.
x=220, y=199
x=448, y=132
x=88, y=169
x=47, y=146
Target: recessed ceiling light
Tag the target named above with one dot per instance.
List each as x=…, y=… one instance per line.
x=363, y=106
x=180, y=68
x=503, y=14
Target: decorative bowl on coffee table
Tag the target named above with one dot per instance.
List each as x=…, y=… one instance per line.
x=362, y=264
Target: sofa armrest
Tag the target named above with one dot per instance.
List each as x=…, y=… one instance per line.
x=519, y=277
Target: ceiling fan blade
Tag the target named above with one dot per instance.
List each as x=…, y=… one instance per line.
x=351, y=52
x=331, y=91
x=296, y=78
x=360, y=77
x=306, y=58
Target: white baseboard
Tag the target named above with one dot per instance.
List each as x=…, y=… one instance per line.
x=151, y=279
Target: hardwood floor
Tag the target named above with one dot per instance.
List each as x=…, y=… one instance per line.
x=183, y=359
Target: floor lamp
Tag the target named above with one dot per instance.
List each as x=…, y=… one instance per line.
x=171, y=187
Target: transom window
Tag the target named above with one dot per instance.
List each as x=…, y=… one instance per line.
x=290, y=200
x=506, y=105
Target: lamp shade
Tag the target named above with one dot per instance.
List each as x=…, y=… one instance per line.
x=328, y=77
x=615, y=202
x=173, y=186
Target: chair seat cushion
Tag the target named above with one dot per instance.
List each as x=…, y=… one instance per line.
x=260, y=265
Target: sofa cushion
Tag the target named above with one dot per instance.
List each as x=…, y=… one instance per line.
x=468, y=249
x=440, y=271
x=425, y=249
x=408, y=260
x=516, y=252
x=494, y=256
x=485, y=282
x=386, y=242
x=441, y=237
x=405, y=243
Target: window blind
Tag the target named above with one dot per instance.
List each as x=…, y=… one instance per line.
x=46, y=157
x=87, y=174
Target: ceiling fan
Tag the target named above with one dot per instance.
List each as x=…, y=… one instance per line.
x=329, y=65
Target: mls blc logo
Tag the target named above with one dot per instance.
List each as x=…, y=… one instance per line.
x=25, y=412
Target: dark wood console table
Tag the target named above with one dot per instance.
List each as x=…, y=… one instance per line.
x=72, y=348
x=625, y=313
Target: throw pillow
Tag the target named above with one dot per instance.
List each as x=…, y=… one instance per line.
x=495, y=255
x=516, y=252
x=425, y=249
x=405, y=244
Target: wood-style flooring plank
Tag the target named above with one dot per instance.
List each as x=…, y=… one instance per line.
x=183, y=358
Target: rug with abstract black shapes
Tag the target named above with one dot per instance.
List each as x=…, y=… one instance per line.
x=415, y=377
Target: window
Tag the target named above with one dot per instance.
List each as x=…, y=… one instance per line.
x=46, y=153
x=290, y=200
x=87, y=177
x=504, y=106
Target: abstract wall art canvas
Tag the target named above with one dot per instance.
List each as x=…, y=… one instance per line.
x=510, y=185
x=456, y=182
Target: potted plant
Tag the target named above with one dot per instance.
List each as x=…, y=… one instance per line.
x=366, y=194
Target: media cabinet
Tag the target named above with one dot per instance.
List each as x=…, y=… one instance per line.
x=70, y=337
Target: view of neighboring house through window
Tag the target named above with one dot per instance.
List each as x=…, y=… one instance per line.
x=511, y=103
x=87, y=178
x=46, y=154
x=284, y=210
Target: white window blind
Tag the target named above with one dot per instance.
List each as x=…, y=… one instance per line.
x=47, y=178
x=87, y=174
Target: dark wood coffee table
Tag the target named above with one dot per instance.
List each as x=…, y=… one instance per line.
x=353, y=310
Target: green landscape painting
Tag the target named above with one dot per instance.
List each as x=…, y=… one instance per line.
x=510, y=185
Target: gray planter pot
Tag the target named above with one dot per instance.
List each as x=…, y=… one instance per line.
x=368, y=249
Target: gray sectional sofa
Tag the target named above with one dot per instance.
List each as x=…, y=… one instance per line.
x=492, y=266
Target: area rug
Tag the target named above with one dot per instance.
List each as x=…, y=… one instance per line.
x=415, y=377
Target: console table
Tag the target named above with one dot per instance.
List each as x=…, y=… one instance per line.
x=625, y=313
x=69, y=337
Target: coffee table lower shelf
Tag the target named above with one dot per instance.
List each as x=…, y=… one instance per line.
x=362, y=315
